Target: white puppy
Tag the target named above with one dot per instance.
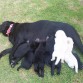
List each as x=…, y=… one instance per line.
x=63, y=50
x=60, y=46
x=69, y=57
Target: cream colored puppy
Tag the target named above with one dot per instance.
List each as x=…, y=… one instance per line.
x=60, y=46
x=69, y=57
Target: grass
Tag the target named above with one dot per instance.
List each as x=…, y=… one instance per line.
x=70, y=11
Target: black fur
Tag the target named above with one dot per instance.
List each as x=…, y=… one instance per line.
x=39, y=60
x=41, y=29
x=27, y=61
x=58, y=67
x=22, y=50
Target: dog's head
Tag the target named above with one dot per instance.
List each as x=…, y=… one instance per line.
x=4, y=27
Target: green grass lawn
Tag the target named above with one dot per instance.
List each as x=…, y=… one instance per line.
x=70, y=11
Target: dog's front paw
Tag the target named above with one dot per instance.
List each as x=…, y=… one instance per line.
x=12, y=64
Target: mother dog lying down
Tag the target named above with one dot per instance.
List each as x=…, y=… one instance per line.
x=20, y=32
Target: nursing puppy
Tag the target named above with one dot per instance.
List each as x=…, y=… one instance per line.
x=40, y=57
x=27, y=61
x=69, y=58
x=39, y=60
x=59, y=47
x=28, y=57
x=23, y=51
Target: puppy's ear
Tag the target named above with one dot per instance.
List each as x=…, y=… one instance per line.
x=4, y=26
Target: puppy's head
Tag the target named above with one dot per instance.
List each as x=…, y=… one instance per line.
x=60, y=33
x=4, y=27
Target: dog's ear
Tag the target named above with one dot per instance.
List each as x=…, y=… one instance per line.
x=4, y=26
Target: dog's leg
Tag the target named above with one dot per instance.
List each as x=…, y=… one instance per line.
x=36, y=67
x=4, y=52
x=41, y=70
x=13, y=63
x=58, y=70
x=52, y=67
x=16, y=45
x=20, y=52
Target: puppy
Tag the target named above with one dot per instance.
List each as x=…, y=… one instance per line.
x=21, y=51
x=39, y=60
x=29, y=56
x=27, y=61
x=59, y=47
x=69, y=57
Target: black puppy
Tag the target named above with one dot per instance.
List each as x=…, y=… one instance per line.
x=20, y=32
x=23, y=50
x=39, y=60
x=27, y=61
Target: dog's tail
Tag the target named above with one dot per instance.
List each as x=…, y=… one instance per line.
x=77, y=41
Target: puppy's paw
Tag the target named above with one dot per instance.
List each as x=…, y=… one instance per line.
x=52, y=59
x=58, y=73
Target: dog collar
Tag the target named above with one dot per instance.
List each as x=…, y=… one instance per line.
x=9, y=29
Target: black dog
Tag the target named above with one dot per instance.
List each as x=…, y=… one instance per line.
x=21, y=32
